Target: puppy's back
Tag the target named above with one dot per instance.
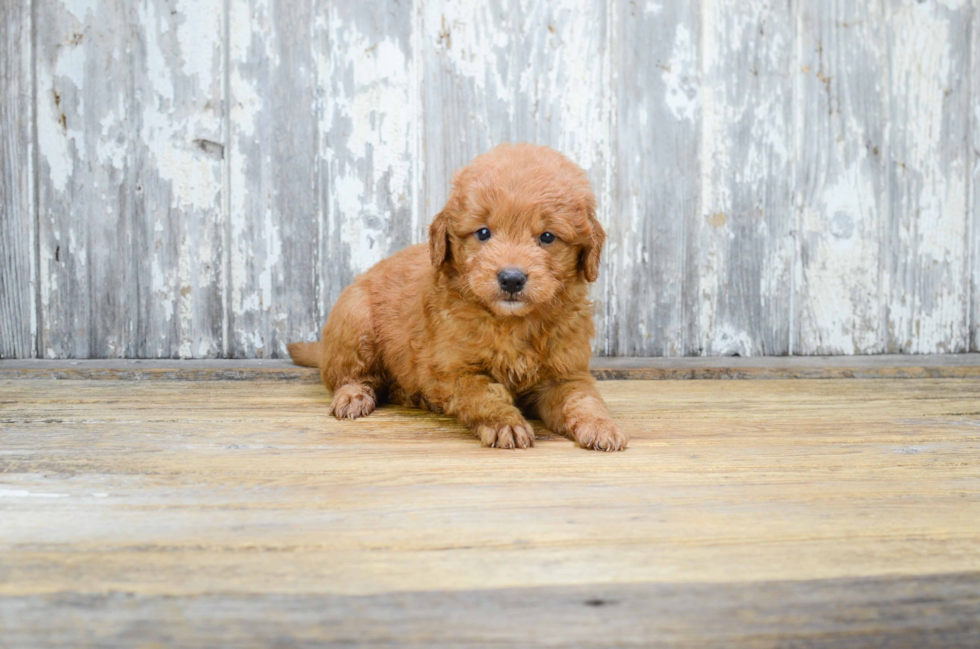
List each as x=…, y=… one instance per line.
x=388, y=296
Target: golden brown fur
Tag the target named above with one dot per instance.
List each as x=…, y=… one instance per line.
x=431, y=326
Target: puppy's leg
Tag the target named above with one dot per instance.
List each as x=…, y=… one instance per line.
x=349, y=365
x=487, y=408
x=574, y=407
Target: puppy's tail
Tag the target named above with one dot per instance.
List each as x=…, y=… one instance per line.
x=306, y=354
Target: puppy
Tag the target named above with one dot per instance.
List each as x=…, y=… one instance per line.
x=488, y=322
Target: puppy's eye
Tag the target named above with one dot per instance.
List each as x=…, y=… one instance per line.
x=547, y=237
x=483, y=234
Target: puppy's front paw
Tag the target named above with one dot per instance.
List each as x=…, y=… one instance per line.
x=600, y=435
x=352, y=401
x=503, y=436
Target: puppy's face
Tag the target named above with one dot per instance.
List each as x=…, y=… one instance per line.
x=518, y=230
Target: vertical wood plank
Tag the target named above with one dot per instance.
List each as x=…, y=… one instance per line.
x=926, y=237
x=274, y=216
x=745, y=230
x=87, y=183
x=841, y=177
x=513, y=71
x=179, y=154
x=129, y=123
x=18, y=314
x=368, y=120
x=974, y=204
x=650, y=280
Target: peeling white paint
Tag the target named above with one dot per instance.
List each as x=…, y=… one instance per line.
x=681, y=76
x=199, y=25
x=582, y=123
x=729, y=341
x=464, y=30
x=745, y=264
x=168, y=134
x=653, y=8
x=179, y=130
x=246, y=104
x=886, y=238
x=841, y=303
x=60, y=141
x=369, y=101
x=929, y=314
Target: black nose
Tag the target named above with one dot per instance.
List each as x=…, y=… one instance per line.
x=511, y=279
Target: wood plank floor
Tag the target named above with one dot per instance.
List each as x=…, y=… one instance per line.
x=758, y=513
x=880, y=366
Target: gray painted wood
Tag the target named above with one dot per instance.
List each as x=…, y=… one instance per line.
x=774, y=177
x=273, y=212
x=841, y=178
x=18, y=318
x=926, y=237
x=745, y=233
x=974, y=320
x=87, y=184
x=650, y=283
x=129, y=179
x=179, y=151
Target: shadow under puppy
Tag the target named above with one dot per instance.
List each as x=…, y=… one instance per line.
x=488, y=322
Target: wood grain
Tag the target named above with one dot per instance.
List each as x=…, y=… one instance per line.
x=841, y=176
x=974, y=204
x=129, y=179
x=649, y=290
x=18, y=306
x=775, y=178
x=926, y=238
x=605, y=369
x=274, y=209
x=910, y=612
x=180, y=150
x=763, y=510
x=86, y=188
x=745, y=229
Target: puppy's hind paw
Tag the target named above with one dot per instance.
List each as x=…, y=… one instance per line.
x=352, y=401
x=518, y=436
x=600, y=435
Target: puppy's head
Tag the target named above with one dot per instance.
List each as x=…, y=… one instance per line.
x=518, y=228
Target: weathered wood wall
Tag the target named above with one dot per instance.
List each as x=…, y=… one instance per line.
x=201, y=178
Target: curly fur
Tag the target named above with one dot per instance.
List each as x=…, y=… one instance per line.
x=431, y=327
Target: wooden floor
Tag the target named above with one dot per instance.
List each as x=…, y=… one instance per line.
x=758, y=513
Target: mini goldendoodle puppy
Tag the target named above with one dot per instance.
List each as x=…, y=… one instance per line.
x=488, y=322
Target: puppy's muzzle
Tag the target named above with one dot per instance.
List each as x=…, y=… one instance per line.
x=511, y=280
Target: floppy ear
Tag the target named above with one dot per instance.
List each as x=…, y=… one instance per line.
x=439, y=240
x=591, y=251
